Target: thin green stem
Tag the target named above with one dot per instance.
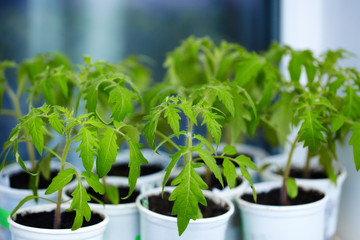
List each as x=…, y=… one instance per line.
x=287, y=171
x=58, y=203
x=52, y=152
x=17, y=113
x=160, y=134
x=8, y=112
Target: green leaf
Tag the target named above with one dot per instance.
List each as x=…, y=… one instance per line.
x=174, y=159
x=151, y=126
x=87, y=60
x=136, y=159
x=291, y=188
x=206, y=142
x=325, y=161
x=132, y=132
x=60, y=181
x=245, y=161
x=355, y=142
x=295, y=65
x=94, y=182
x=87, y=147
x=122, y=100
x=107, y=152
x=55, y=122
x=249, y=69
x=173, y=118
x=112, y=193
x=80, y=204
x=188, y=110
x=337, y=122
x=91, y=97
x=311, y=132
x=229, y=150
x=35, y=128
x=187, y=196
x=210, y=161
x=351, y=105
x=229, y=172
x=212, y=125
x=225, y=97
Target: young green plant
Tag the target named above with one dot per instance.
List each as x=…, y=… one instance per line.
x=95, y=140
x=188, y=184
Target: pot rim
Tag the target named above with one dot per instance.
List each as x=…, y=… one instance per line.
x=274, y=184
x=49, y=207
x=174, y=219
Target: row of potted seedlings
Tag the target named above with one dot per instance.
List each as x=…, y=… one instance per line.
x=210, y=94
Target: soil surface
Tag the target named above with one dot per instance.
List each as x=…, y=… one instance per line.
x=21, y=180
x=123, y=192
x=273, y=197
x=46, y=219
x=297, y=172
x=163, y=206
x=122, y=169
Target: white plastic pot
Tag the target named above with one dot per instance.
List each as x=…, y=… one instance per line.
x=296, y=222
x=124, y=218
x=333, y=192
x=148, y=181
x=21, y=232
x=10, y=197
x=155, y=226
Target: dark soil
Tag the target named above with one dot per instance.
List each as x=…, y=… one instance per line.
x=297, y=172
x=123, y=192
x=21, y=180
x=213, y=183
x=273, y=197
x=163, y=206
x=46, y=219
x=122, y=169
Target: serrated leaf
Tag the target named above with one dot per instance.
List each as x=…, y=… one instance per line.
x=351, y=105
x=94, y=182
x=112, y=193
x=295, y=65
x=174, y=159
x=87, y=147
x=60, y=181
x=136, y=159
x=311, y=132
x=188, y=111
x=210, y=161
x=80, y=204
x=355, y=142
x=36, y=131
x=132, y=132
x=246, y=161
x=291, y=188
x=229, y=172
x=55, y=122
x=151, y=126
x=186, y=196
x=225, y=97
x=248, y=69
x=206, y=142
x=229, y=150
x=212, y=125
x=122, y=100
x=107, y=152
x=173, y=118
x=91, y=97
